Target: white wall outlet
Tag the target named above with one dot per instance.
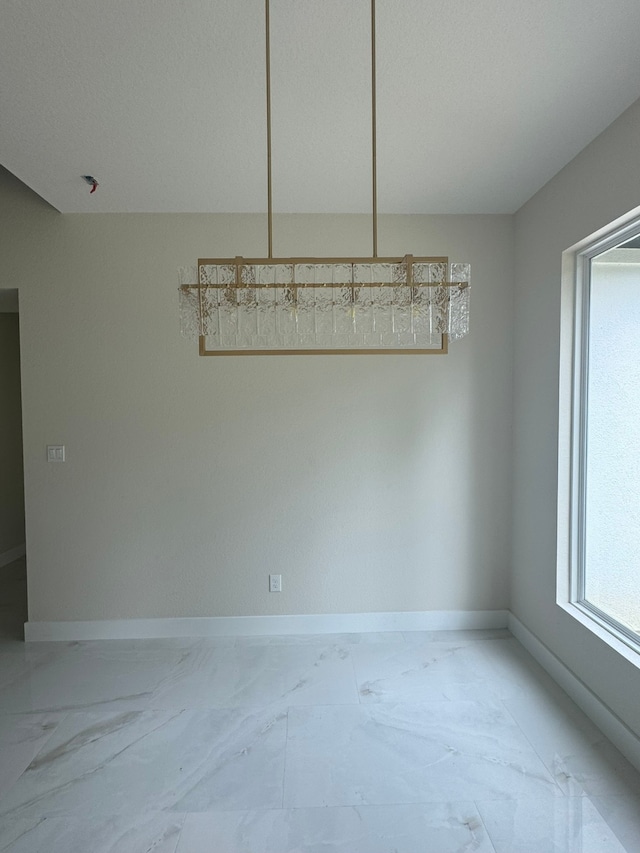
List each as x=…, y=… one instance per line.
x=55, y=453
x=275, y=583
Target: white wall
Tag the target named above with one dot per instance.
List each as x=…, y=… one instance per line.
x=11, y=477
x=372, y=483
x=600, y=185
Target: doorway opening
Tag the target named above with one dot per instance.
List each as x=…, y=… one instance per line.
x=13, y=566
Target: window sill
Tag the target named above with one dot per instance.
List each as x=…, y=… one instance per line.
x=618, y=641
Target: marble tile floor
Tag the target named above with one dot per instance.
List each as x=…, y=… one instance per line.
x=356, y=743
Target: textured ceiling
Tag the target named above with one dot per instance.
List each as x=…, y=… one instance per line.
x=480, y=102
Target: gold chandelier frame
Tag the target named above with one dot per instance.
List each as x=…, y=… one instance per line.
x=313, y=306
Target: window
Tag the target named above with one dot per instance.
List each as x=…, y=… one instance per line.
x=604, y=492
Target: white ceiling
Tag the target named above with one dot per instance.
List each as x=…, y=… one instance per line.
x=480, y=102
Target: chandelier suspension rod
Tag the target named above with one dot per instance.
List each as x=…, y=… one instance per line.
x=374, y=160
x=269, y=179
x=374, y=175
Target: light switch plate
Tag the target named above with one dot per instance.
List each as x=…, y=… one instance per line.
x=55, y=453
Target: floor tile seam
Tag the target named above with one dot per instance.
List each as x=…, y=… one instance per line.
x=105, y=707
x=181, y=815
x=594, y=803
x=591, y=800
x=72, y=814
x=525, y=797
x=370, y=707
x=484, y=825
x=30, y=712
x=28, y=669
x=38, y=751
x=284, y=763
x=489, y=702
x=179, y=819
x=372, y=806
x=593, y=738
x=355, y=678
x=549, y=769
x=183, y=820
x=421, y=803
x=164, y=679
x=324, y=809
x=478, y=804
x=34, y=714
x=63, y=717
x=123, y=708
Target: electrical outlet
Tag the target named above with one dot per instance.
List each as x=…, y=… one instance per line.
x=275, y=583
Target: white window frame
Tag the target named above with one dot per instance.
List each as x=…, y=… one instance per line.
x=573, y=403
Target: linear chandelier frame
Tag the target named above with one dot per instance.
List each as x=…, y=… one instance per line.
x=311, y=306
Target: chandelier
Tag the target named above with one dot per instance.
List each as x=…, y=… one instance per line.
x=280, y=306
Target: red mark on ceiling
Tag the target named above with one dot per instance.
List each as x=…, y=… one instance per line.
x=92, y=182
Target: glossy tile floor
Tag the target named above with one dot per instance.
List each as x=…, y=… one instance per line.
x=370, y=743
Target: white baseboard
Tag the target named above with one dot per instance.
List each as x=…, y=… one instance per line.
x=604, y=718
x=12, y=554
x=220, y=626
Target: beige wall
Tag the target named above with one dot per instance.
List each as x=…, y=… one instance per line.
x=371, y=483
x=600, y=185
x=11, y=475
